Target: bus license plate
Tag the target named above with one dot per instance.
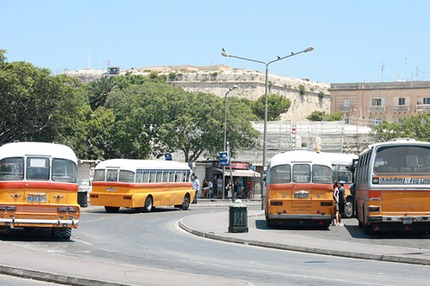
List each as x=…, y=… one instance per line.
x=407, y=220
x=37, y=199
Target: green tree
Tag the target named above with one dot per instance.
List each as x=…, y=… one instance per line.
x=322, y=116
x=416, y=127
x=35, y=105
x=276, y=105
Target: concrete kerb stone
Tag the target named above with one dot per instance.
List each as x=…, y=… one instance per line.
x=52, y=277
x=330, y=252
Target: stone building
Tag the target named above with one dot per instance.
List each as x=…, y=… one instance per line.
x=367, y=104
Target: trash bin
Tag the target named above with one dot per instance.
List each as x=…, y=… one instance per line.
x=238, y=218
x=83, y=199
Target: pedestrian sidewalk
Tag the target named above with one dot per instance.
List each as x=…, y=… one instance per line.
x=345, y=241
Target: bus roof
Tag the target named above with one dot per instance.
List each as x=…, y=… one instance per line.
x=134, y=164
x=397, y=142
x=21, y=149
x=340, y=158
x=298, y=157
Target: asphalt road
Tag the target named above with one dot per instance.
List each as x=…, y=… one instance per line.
x=154, y=241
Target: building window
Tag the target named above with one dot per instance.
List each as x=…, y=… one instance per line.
x=378, y=121
x=402, y=101
x=346, y=103
x=346, y=119
x=376, y=102
x=426, y=100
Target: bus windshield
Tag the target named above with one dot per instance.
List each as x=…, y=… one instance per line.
x=402, y=160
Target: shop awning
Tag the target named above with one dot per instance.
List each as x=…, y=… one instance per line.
x=239, y=173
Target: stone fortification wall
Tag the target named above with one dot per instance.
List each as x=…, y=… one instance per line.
x=218, y=79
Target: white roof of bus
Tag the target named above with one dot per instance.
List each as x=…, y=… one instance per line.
x=397, y=142
x=21, y=149
x=299, y=156
x=134, y=164
x=340, y=158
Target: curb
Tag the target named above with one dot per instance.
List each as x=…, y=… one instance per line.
x=349, y=254
x=51, y=277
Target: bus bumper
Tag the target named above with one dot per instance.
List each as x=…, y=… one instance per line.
x=16, y=222
x=294, y=220
x=398, y=223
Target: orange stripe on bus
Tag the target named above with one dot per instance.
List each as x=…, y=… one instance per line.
x=39, y=185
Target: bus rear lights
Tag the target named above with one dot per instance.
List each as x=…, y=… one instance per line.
x=6, y=208
x=67, y=209
x=272, y=203
x=127, y=197
x=94, y=196
x=326, y=204
x=373, y=208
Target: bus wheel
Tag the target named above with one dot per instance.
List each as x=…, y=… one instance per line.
x=148, y=204
x=186, y=202
x=4, y=232
x=348, y=212
x=61, y=233
x=112, y=209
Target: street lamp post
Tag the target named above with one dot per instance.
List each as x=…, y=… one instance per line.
x=225, y=137
x=225, y=54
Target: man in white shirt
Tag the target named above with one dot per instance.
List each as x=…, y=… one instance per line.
x=196, y=187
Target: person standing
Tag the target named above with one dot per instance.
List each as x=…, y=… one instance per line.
x=336, y=204
x=219, y=187
x=211, y=187
x=342, y=201
x=195, y=187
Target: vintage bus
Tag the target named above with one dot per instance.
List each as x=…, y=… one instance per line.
x=38, y=188
x=141, y=184
x=299, y=190
x=392, y=186
x=341, y=164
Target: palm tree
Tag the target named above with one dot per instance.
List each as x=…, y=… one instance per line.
x=99, y=91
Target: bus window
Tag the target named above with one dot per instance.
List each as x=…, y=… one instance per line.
x=11, y=169
x=280, y=174
x=112, y=175
x=99, y=175
x=63, y=171
x=126, y=176
x=301, y=173
x=172, y=176
x=159, y=176
x=321, y=174
x=166, y=176
x=38, y=169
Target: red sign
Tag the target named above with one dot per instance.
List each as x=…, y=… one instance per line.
x=293, y=129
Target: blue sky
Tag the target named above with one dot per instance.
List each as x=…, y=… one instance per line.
x=354, y=41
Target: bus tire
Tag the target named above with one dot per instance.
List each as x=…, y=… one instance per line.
x=149, y=203
x=5, y=232
x=349, y=210
x=61, y=233
x=186, y=203
x=112, y=209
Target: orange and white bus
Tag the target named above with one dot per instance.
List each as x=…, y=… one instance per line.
x=38, y=188
x=299, y=190
x=392, y=186
x=341, y=164
x=141, y=184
